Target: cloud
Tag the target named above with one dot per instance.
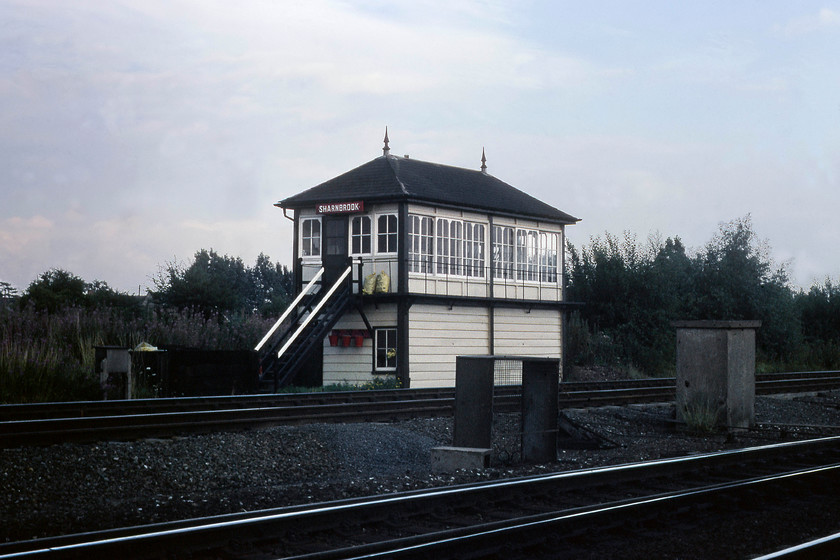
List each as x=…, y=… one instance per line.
x=824, y=20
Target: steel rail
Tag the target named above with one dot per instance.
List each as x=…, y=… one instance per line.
x=154, y=540
x=825, y=547
x=337, y=407
x=766, y=384
x=489, y=537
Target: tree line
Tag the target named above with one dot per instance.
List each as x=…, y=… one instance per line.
x=212, y=285
x=632, y=292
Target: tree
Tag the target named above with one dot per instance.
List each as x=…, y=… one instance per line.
x=7, y=291
x=272, y=284
x=212, y=284
x=737, y=280
x=219, y=284
x=53, y=290
x=57, y=289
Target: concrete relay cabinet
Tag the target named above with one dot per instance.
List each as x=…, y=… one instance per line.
x=716, y=371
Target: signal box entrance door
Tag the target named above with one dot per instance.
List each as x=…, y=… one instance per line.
x=335, y=248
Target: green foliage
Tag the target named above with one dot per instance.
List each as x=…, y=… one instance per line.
x=701, y=415
x=819, y=313
x=216, y=284
x=633, y=293
x=7, y=291
x=50, y=356
x=47, y=340
x=57, y=289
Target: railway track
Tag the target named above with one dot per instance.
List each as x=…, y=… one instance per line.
x=559, y=515
x=46, y=423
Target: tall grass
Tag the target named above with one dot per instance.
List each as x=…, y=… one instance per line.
x=50, y=357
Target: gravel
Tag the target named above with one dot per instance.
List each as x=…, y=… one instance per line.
x=71, y=488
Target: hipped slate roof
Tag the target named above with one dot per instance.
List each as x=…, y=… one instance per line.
x=390, y=178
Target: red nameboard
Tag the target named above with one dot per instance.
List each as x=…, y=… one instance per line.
x=341, y=207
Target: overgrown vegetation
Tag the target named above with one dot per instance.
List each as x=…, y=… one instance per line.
x=632, y=293
x=48, y=335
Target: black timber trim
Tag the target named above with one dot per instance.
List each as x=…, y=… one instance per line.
x=357, y=303
x=403, y=304
x=297, y=268
x=491, y=275
x=435, y=204
x=470, y=301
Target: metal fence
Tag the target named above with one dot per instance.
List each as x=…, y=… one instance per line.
x=507, y=371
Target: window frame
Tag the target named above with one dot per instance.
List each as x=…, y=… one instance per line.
x=304, y=238
x=389, y=236
x=504, y=252
x=360, y=235
x=421, y=244
x=474, y=249
x=384, y=334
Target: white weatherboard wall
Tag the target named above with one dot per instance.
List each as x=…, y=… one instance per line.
x=520, y=332
x=351, y=364
x=438, y=335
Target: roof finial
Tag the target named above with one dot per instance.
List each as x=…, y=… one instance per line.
x=483, y=161
x=386, y=150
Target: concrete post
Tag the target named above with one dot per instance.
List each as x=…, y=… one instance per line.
x=474, y=401
x=540, y=387
x=716, y=372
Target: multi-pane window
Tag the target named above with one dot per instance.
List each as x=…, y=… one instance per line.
x=385, y=343
x=503, y=251
x=420, y=243
x=548, y=256
x=457, y=247
x=386, y=233
x=474, y=250
x=310, y=237
x=450, y=246
x=360, y=235
x=525, y=254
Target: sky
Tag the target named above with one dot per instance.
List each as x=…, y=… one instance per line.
x=133, y=134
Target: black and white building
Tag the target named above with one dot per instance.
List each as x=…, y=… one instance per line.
x=415, y=263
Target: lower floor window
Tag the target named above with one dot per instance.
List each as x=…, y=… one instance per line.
x=385, y=343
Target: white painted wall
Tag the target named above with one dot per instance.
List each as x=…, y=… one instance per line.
x=537, y=333
x=355, y=365
x=438, y=335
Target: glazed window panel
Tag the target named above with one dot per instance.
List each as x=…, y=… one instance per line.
x=420, y=244
x=549, y=244
x=450, y=247
x=474, y=250
x=503, y=252
x=310, y=237
x=527, y=255
x=442, y=246
x=361, y=238
x=385, y=344
x=456, y=248
x=386, y=233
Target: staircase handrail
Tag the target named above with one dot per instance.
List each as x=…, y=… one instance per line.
x=289, y=309
x=315, y=311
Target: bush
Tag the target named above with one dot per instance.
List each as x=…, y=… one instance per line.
x=50, y=356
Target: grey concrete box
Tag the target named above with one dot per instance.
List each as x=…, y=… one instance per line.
x=716, y=371
x=448, y=458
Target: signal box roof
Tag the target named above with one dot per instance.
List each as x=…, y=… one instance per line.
x=394, y=179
